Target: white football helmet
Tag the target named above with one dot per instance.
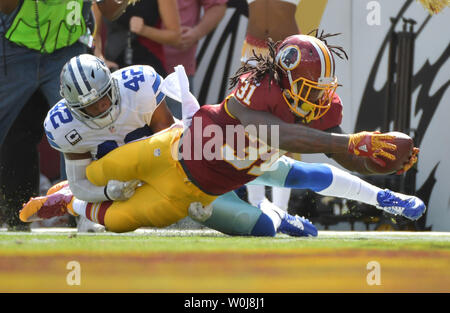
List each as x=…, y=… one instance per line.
x=85, y=79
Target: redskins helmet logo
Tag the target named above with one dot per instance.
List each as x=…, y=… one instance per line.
x=290, y=57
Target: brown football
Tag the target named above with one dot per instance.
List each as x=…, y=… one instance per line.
x=404, y=150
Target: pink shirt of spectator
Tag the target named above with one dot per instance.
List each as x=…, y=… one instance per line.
x=190, y=14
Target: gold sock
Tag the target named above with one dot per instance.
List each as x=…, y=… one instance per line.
x=70, y=207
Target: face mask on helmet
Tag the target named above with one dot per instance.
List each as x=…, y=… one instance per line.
x=309, y=68
x=85, y=80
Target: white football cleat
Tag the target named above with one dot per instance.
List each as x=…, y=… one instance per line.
x=85, y=225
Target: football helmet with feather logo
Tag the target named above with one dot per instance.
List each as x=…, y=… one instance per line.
x=309, y=78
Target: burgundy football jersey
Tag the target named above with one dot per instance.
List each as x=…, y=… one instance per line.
x=219, y=156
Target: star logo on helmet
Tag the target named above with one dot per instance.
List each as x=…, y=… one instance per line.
x=290, y=57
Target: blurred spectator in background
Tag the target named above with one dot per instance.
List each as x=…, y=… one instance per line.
x=138, y=36
x=38, y=38
x=100, y=39
x=194, y=26
x=268, y=18
x=274, y=19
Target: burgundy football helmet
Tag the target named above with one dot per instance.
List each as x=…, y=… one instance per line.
x=309, y=73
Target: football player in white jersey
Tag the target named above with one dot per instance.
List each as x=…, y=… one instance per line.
x=85, y=132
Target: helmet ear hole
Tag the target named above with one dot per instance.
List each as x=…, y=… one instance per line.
x=68, y=87
x=92, y=74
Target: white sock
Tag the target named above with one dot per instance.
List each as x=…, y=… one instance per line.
x=273, y=212
x=79, y=207
x=348, y=186
x=256, y=194
x=280, y=197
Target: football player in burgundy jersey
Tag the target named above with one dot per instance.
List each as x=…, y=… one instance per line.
x=295, y=90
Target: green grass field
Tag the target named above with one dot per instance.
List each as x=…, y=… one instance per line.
x=206, y=261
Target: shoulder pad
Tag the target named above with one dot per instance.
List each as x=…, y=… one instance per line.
x=61, y=128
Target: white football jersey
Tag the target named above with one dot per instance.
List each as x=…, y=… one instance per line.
x=139, y=96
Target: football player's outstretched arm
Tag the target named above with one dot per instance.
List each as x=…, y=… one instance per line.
x=360, y=164
x=347, y=160
x=302, y=139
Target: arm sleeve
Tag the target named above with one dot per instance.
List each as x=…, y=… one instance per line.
x=80, y=186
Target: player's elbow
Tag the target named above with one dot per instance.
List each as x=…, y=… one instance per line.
x=77, y=190
x=84, y=190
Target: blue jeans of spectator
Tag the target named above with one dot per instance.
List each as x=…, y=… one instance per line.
x=22, y=73
x=27, y=71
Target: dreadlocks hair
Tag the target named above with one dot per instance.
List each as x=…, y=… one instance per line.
x=267, y=65
x=334, y=49
x=264, y=65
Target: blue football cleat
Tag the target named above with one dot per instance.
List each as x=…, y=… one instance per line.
x=290, y=225
x=395, y=203
x=297, y=226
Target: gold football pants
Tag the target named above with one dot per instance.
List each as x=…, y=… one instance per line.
x=167, y=193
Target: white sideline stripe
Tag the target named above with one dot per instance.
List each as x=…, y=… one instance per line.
x=323, y=234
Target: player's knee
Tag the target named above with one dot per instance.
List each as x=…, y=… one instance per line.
x=244, y=224
x=94, y=173
x=241, y=224
x=120, y=223
x=312, y=176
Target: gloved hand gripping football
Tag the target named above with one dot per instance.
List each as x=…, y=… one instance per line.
x=372, y=145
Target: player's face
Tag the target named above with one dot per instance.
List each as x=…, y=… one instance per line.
x=99, y=107
x=314, y=94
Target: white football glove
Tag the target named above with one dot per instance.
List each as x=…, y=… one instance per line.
x=118, y=190
x=198, y=212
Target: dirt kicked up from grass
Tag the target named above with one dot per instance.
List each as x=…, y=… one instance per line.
x=210, y=263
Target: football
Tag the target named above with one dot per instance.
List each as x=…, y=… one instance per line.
x=404, y=150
